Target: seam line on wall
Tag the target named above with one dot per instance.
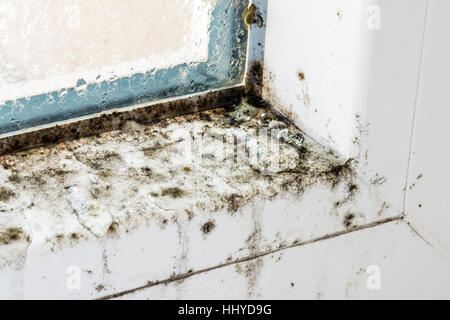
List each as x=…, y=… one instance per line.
x=260, y=255
x=434, y=243
x=416, y=100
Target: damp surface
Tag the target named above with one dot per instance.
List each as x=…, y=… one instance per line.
x=122, y=180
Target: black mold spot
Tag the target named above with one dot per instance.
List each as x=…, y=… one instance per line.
x=35, y=179
x=205, y=116
x=338, y=173
x=254, y=101
x=147, y=171
x=234, y=202
x=351, y=188
x=208, y=227
x=100, y=192
x=378, y=180
x=151, y=151
x=6, y=194
x=190, y=214
x=100, y=161
x=173, y=192
x=100, y=288
x=74, y=236
x=105, y=173
x=348, y=220
x=301, y=75
x=113, y=230
x=251, y=270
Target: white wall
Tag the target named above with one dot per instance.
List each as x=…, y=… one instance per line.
x=428, y=202
x=360, y=63
x=359, y=86
x=338, y=268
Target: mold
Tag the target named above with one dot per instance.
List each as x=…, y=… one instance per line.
x=6, y=194
x=100, y=288
x=101, y=191
x=254, y=80
x=35, y=179
x=301, y=75
x=384, y=207
x=173, y=192
x=353, y=220
x=151, y=151
x=118, y=193
x=115, y=120
x=234, y=202
x=107, y=173
x=146, y=171
x=414, y=184
x=338, y=172
x=75, y=236
x=131, y=127
x=294, y=139
x=251, y=271
x=348, y=220
x=352, y=189
x=378, y=180
x=190, y=214
x=100, y=161
x=304, y=90
x=208, y=227
x=11, y=235
x=113, y=230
